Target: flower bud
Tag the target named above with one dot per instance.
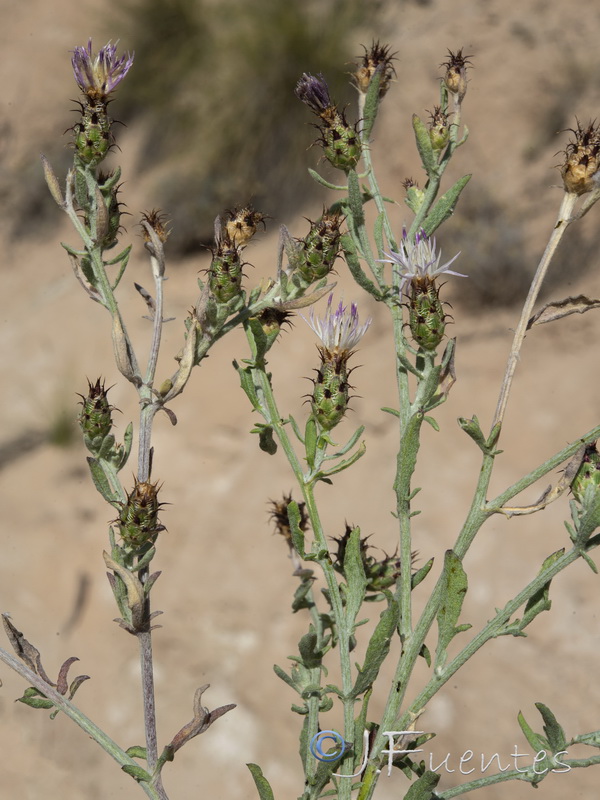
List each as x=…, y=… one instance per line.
x=341, y=142
x=588, y=473
x=138, y=521
x=320, y=247
x=426, y=318
x=225, y=271
x=95, y=418
x=579, y=171
x=93, y=136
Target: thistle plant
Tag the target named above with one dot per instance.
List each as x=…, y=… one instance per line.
x=341, y=580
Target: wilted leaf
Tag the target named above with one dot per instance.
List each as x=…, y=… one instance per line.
x=562, y=308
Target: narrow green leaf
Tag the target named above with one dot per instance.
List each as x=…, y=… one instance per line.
x=359, y=728
x=444, y=206
x=247, y=383
x=536, y=740
x=34, y=699
x=421, y=574
x=377, y=650
x=137, y=751
x=356, y=580
x=127, y=442
x=353, y=261
x=455, y=588
x=294, y=518
x=286, y=678
x=262, y=784
x=428, y=157
x=371, y=106
x=355, y=199
x=554, y=732
x=310, y=441
x=100, y=480
x=316, y=177
x=423, y=788
x=137, y=772
x=472, y=428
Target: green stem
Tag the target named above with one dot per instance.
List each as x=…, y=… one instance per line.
x=271, y=414
x=490, y=631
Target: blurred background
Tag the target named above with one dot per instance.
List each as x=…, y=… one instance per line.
x=210, y=123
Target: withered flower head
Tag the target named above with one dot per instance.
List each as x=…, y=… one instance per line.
x=580, y=169
x=377, y=57
x=241, y=225
x=158, y=222
x=456, y=73
x=98, y=76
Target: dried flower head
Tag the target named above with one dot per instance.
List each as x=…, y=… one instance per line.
x=418, y=260
x=580, y=169
x=158, y=222
x=456, y=73
x=339, y=330
x=377, y=57
x=99, y=75
x=242, y=223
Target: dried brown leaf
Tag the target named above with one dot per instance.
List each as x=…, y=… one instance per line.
x=563, y=308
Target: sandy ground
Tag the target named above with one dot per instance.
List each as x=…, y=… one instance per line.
x=226, y=583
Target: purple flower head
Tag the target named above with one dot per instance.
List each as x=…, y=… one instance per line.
x=339, y=330
x=418, y=260
x=314, y=92
x=100, y=75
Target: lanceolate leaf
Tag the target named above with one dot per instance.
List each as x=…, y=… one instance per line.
x=455, y=588
x=356, y=580
x=262, y=784
x=444, y=206
x=423, y=788
x=554, y=732
x=378, y=649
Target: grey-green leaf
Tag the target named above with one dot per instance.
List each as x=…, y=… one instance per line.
x=378, y=649
x=356, y=580
x=444, y=206
x=455, y=588
x=423, y=788
x=262, y=784
x=554, y=732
